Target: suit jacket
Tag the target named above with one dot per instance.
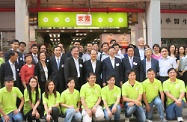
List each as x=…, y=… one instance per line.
x=6, y=70
x=136, y=52
x=57, y=73
x=71, y=71
x=20, y=58
x=109, y=70
x=39, y=72
x=89, y=69
x=137, y=67
x=154, y=65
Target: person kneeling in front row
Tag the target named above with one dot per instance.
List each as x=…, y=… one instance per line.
x=90, y=94
x=8, y=99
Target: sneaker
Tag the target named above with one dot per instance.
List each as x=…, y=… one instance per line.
x=179, y=119
x=163, y=120
x=127, y=119
x=147, y=120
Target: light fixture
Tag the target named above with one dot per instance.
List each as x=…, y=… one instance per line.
x=85, y=34
x=58, y=35
x=55, y=39
x=50, y=35
x=73, y=39
x=54, y=35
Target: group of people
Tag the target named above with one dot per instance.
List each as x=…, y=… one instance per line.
x=90, y=85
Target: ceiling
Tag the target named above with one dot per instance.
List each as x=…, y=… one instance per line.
x=165, y=4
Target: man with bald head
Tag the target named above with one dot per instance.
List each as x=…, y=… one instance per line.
x=93, y=66
x=140, y=49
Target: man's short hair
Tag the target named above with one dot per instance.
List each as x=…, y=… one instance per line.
x=8, y=78
x=73, y=47
x=104, y=44
x=34, y=45
x=14, y=40
x=22, y=43
x=115, y=44
x=131, y=71
x=109, y=77
x=91, y=74
x=113, y=40
x=12, y=53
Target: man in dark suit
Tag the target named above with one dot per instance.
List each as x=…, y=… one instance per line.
x=11, y=68
x=14, y=47
x=149, y=62
x=93, y=66
x=112, y=66
x=34, y=52
x=56, y=67
x=132, y=63
x=140, y=49
x=73, y=67
x=76, y=44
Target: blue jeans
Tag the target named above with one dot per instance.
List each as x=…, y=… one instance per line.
x=137, y=111
x=173, y=111
x=158, y=102
x=72, y=115
x=116, y=115
x=16, y=117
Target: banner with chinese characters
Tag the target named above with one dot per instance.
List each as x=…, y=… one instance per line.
x=84, y=20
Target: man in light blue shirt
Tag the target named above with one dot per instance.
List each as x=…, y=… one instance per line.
x=165, y=62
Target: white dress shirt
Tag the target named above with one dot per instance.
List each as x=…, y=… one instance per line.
x=112, y=61
x=77, y=66
x=93, y=65
x=12, y=66
x=148, y=65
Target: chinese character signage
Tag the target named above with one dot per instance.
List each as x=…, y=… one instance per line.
x=83, y=20
x=173, y=20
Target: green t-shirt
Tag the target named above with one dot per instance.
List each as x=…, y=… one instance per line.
x=8, y=99
x=174, y=88
x=27, y=107
x=132, y=92
x=91, y=94
x=52, y=100
x=70, y=99
x=152, y=89
x=110, y=96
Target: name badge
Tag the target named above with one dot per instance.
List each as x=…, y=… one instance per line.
x=62, y=65
x=21, y=59
x=80, y=65
x=117, y=64
x=134, y=63
x=47, y=60
x=18, y=70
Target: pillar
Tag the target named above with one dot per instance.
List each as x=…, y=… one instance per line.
x=22, y=21
x=153, y=22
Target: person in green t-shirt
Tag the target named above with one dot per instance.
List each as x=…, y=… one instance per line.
x=8, y=99
x=51, y=100
x=151, y=89
x=132, y=91
x=174, y=90
x=90, y=94
x=111, y=95
x=32, y=95
x=70, y=102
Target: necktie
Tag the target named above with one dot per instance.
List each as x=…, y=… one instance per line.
x=58, y=62
x=35, y=59
x=131, y=60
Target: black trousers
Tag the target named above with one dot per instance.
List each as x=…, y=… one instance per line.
x=29, y=116
x=55, y=114
x=162, y=79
